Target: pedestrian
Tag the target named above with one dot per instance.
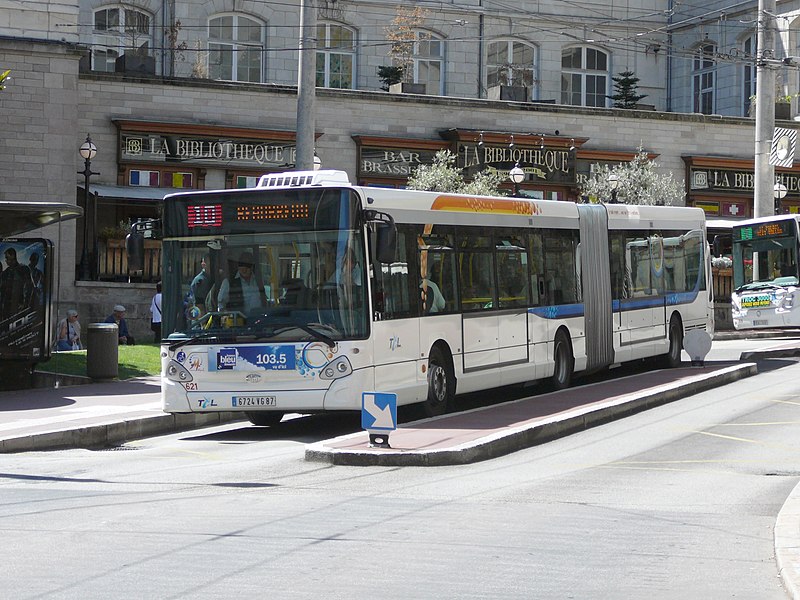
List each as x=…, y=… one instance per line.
x=155, y=313
x=69, y=332
x=118, y=317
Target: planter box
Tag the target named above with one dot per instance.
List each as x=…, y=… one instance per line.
x=783, y=111
x=514, y=93
x=407, y=88
x=135, y=63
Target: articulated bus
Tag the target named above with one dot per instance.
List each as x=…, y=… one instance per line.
x=27, y=288
x=765, y=275
x=302, y=293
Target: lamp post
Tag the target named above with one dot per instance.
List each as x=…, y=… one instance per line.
x=779, y=193
x=86, y=268
x=317, y=162
x=613, y=183
x=516, y=175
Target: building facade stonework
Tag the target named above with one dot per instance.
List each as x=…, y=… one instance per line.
x=155, y=86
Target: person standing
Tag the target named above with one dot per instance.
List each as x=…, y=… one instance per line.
x=69, y=332
x=118, y=317
x=201, y=286
x=155, y=313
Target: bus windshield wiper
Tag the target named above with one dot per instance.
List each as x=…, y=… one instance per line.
x=277, y=328
x=309, y=329
x=201, y=337
x=758, y=285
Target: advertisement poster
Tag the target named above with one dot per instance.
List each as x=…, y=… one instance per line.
x=24, y=298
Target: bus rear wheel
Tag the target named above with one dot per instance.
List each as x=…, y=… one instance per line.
x=264, y=419
x=672, y=358
x=441, y=384
x=564, y=362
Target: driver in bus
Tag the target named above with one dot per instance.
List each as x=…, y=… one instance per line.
x=242, y=292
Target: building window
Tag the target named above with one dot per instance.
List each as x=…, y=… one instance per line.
x=510, y=62
x=428, y=62
x=235, y=49
x=749, y=74
x=584, y=77
x=703, y=75
x=117, y=31
x=336, y=56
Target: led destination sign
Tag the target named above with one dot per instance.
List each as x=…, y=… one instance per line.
x=763, y=230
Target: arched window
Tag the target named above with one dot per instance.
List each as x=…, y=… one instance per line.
x=336, y=56
x=704, y=70
x=510, y=62
x=749, y=72
x=235, y=48
x=584, y=77
x=119, y=30
x=428, y=62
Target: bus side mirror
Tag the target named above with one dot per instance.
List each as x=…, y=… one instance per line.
x=716, y=246
x=385, y=235
x=134, y=248
x=386, y=242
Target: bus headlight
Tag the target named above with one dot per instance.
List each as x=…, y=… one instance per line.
x=335, y=369
x=177, y=372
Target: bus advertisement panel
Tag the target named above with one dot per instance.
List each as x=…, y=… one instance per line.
x=25, y=276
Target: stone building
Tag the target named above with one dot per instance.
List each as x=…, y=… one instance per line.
x=202, y=95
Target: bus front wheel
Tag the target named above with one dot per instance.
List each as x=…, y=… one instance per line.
x=265, y=419
x=564, y=362
x=441, y=384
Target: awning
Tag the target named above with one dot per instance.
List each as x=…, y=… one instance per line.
x=20, y=217
x=129, y=192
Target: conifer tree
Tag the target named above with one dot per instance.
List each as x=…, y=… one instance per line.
x=625, y=86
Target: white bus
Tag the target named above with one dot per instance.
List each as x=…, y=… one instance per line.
x=765, y=275
x=302, y=293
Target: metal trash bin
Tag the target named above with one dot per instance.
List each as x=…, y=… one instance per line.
x=102, y=350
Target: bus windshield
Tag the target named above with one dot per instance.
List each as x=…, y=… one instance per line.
x=276, y=280
x=765, y=256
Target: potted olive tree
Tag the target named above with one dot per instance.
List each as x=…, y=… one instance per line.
x=402, y=36
x=512, y=82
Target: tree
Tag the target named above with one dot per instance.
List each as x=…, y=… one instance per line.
x=625, y=86
x=402, y=35
x=389, y=75
x=442, y=175
x=638, y=183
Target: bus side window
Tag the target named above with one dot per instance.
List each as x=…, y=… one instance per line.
x=392, y=296
x=536, y=261
x=561, y=279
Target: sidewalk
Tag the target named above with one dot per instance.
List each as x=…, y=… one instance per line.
x=94, y=415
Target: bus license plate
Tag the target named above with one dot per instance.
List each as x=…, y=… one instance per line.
x=254, y=401
x=758, y=322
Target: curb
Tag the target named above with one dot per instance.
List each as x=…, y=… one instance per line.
x=526, y=435
x=114, y=433
x=787, y=549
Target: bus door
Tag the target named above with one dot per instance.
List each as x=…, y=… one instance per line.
x=395, y=323
x=642, y=309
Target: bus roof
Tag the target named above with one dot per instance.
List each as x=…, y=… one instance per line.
x=21, y=217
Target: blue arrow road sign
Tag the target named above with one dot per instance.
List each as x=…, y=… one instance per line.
x=378, y=411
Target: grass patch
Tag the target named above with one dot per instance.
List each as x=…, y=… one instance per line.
x=134, y=361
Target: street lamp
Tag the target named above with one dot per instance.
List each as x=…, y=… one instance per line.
x=317, y=162
x=779, y=193
x=516, y=175
x=88, y=151
x=613, y=183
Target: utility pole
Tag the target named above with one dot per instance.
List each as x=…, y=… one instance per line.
x=306, y=86
x=763, y=200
